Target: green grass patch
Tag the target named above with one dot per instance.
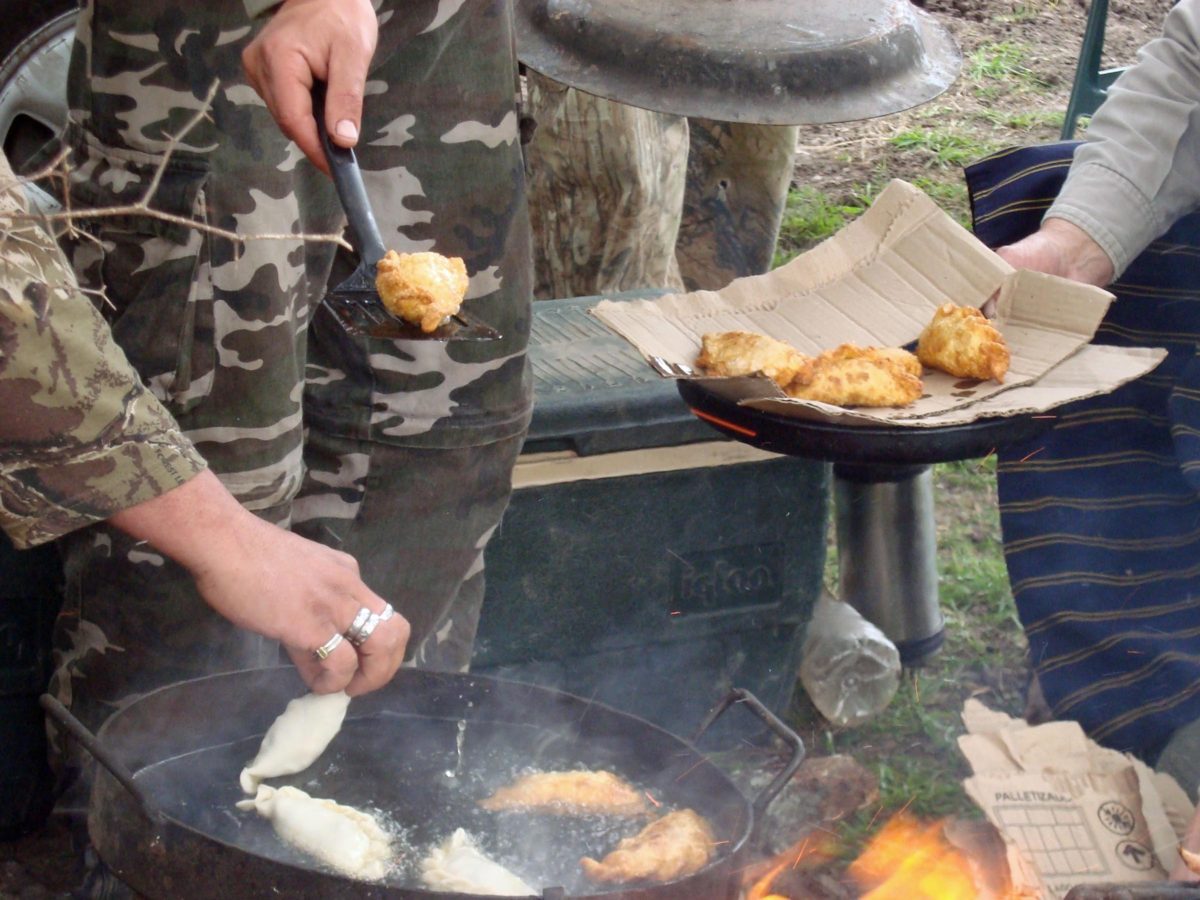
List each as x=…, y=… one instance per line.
x=941, y=147
x=1002, y=64
x=811, y=216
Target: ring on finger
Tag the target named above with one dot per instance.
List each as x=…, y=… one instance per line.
x=360, y=637
x=360, y=619
x=322, y=652
x=387, y=613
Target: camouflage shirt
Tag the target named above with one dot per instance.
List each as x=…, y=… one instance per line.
x=80, y=436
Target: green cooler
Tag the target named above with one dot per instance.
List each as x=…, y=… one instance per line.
x=644, y=561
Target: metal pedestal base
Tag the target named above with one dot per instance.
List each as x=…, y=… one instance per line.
x=887, y=553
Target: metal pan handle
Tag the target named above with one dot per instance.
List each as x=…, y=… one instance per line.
x=100, y=753
x=347, y=178
x=789, y=737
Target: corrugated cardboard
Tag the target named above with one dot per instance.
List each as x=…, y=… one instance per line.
x=1070, y=811
x=877, y=282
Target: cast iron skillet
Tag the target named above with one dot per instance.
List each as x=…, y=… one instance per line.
x=421, y=751
x=884, y=445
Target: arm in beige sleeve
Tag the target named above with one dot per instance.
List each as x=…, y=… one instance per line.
x=1139, y=169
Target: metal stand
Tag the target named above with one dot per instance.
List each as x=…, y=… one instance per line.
x=887, y=553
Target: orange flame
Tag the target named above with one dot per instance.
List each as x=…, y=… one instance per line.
x=910, y=861
x=905, y=860
x=814, y=850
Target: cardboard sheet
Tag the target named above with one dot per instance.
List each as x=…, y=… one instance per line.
x=877, y=282
x=1070, y=811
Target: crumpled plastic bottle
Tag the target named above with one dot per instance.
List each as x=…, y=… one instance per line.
x=848, y=667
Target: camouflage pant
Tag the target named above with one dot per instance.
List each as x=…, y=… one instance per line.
x=398, y=452
x=623, y=198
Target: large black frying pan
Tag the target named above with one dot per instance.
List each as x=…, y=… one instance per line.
x=421, y=751
x=881, y=445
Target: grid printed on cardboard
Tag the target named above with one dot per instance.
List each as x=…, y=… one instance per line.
x=1056, y=839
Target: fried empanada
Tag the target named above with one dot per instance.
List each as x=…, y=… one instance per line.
x=676, y=845
x=422, y=288
x=849, y=375
x=570, y=792
x=747, y=353
x=960, y=341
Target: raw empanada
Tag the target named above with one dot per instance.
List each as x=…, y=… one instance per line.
x=342, y=837
x=459, y=865
x=296, y=738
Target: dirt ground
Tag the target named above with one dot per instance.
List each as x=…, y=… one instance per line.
x=839, y=160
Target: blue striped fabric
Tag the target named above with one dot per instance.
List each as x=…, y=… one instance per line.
x=1101, y=516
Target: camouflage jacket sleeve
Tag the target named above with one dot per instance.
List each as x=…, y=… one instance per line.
x=80, y=435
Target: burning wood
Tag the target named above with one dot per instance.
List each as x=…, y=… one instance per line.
x=905, y=860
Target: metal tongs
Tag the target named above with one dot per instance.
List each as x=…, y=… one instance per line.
x=355, y=301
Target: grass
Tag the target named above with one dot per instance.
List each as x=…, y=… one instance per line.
x=1002, y=64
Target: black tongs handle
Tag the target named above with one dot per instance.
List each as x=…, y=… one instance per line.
x=347, y=178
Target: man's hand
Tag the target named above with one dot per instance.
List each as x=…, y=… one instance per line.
x=1061, y=248
x=308, y=41
x=273, y=582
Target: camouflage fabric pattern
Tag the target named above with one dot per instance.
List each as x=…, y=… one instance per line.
x=623, y=198
x=398, y=450
x=606, y=184
x=737, y=184
x=81, y=437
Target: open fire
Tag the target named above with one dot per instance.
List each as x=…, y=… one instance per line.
x=905, y=860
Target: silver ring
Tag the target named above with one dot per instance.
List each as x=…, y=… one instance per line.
x=328, y=647
x=360, y=637
x=387, y=613
x=359, y=621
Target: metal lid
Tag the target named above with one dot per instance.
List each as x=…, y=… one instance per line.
x=775, y=62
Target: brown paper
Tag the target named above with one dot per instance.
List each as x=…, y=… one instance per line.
x=877, y=282
x=1070, y=811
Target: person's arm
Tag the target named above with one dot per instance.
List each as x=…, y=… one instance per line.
x=272, y=582
x=1139, y=169
x=307, y=41
x=82, y=440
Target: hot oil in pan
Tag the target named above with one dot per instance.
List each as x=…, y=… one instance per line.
x=422, y=777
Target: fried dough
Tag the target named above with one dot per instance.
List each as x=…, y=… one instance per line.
x=849, y=375
x=570, y=792
x=960, y=341
x=422, y=288
x=747, y=353
x=676, y=845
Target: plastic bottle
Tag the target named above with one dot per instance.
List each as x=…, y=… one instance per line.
x=849, y=667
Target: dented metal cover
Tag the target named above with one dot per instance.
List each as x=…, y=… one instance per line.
x=776, y=62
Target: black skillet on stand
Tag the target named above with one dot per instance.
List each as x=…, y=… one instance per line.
x=883, y=501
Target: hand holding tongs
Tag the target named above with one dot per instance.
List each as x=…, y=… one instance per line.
x=355, y=301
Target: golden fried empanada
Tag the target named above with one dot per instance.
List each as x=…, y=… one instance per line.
x=570, y=792
x=960, y=341
x=676, y=845
x=422, y=288
x=747, y=353
x=858, y=376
